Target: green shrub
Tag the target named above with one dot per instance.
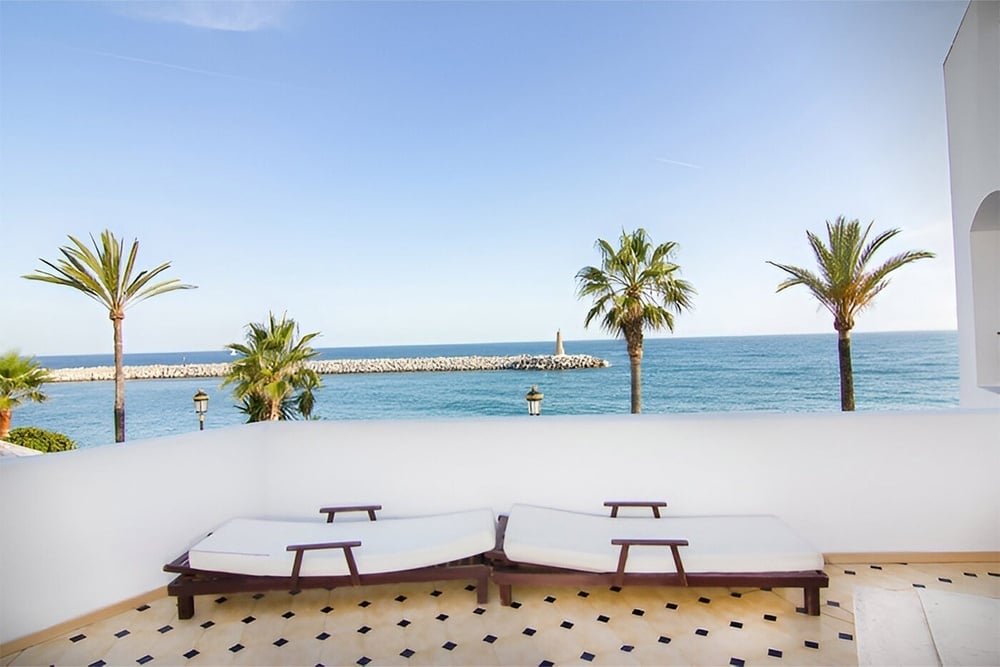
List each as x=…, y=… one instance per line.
x=40, y=439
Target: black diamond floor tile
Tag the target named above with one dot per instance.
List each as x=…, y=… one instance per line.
x=492, y=634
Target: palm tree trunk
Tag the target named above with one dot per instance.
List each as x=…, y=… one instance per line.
x=635, y=366
x=5, y=423
x=846, y=371
x=119, y=380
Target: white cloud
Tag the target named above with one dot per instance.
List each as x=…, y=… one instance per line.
x=231, y=15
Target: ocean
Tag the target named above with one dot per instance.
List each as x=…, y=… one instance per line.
x=787, y=373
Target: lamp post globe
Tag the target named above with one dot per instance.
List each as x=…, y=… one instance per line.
x=534, y=398
x=201, y=407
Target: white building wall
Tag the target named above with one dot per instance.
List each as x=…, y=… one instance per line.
x=86, y=529
x=972, y=91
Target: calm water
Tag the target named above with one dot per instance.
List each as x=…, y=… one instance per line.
x=893, y=371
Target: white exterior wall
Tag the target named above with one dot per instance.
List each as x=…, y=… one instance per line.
x=86, y=529
x=972, y=91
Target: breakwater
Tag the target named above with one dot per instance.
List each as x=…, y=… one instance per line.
x=522, y=362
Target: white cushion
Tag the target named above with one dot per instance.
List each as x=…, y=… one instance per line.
x=576, y=541
x=257, y=547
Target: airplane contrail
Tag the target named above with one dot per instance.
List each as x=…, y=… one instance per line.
x=682, y=164
x=183, y=68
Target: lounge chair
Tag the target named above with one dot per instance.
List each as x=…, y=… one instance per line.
x=251, y=555
x=544, y=546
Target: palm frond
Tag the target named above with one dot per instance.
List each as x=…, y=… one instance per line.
x=269, y=375
x=635, y=286
x=100, y=274
x=21, y=379
x=844, y=285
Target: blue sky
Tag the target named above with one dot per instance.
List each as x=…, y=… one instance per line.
x=437, y=172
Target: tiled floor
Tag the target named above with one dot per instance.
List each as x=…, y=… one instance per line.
x=441, y=624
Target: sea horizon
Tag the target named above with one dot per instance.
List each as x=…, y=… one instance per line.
x=54, y=361
x=767, y=373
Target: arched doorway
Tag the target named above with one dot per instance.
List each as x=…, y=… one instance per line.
x=984, y=243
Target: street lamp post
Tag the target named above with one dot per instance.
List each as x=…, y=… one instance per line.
x=534, y=401
x=201, y=407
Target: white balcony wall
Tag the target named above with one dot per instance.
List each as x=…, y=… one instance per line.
x=972, y=95
x=86, y=529
x=83, y=530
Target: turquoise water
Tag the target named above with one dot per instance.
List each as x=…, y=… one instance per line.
x=893, y=371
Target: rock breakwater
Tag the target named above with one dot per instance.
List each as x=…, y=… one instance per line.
x=523, y=362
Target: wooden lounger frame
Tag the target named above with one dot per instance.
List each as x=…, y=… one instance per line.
x=506, y=573
x=191, y=581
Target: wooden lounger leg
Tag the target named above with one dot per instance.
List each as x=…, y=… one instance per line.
x=506, y=595
x=185, y=606
x=483, y=586
x=812, y=600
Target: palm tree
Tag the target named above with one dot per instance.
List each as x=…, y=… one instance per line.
x=271, y=378
x=634, y=288
x=21, y=379
x=845, y=285
x=105, y=274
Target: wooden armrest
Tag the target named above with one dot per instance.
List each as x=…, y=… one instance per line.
x=323, y=545
x=300, y=549
x=330, y=512
x=654, y=505
x=625, y=543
